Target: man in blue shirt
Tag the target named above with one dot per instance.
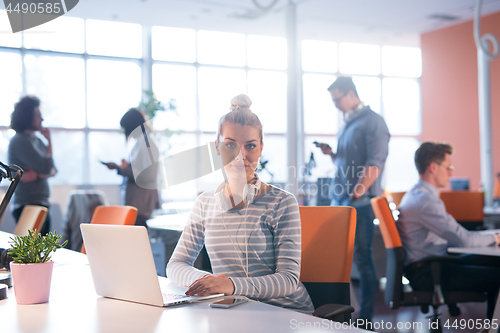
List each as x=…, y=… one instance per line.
x=362, y=149
x=426, y=229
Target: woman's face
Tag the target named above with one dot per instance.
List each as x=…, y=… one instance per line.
x=240, y=147
x=37, y=120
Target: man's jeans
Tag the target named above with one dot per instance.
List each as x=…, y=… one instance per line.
x=362, y=256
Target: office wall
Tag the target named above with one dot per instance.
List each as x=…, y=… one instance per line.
x=450, y=97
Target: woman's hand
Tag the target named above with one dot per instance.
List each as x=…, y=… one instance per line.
x=111, y=165
x=211, y=284
x=45, y=132
x=29, y=175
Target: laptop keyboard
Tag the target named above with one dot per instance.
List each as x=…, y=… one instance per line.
x=173, y=298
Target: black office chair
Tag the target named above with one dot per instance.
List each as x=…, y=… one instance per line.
x=394, y=295
x=327, y=249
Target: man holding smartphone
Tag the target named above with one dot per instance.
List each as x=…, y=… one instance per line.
x=362, y=149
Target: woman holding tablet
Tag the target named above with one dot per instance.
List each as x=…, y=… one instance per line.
x=251, y=230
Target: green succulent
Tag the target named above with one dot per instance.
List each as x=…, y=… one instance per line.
x=34, y=248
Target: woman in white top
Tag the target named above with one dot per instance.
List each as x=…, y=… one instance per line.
x=251, y=230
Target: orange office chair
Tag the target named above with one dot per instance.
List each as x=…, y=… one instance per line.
x=394, y=295
x=396, y=197
x=466, y=207
x=32, y=217
x=496, y=192
x=122, y=215
x=327, y=249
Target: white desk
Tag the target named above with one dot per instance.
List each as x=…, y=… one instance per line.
x=483, y=251
x=175, y=222
x=74, y=307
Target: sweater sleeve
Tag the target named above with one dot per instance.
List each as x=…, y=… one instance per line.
x=33, y=155
x=287, y=250
x=180, y=268
x=434, y=217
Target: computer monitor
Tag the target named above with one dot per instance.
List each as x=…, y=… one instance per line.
x=459, y=184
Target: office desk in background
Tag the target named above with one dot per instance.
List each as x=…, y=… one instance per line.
x=74, y=307
x=482, y=251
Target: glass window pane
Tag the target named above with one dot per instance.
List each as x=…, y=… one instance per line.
x=359, y=58
x=7, y=38
x=401, y=61
x=11, y=86
x=267, y=52
x=275, y=153
x=70, y=170
x=114, y=39
x=5, y=137
x=179, y=83
x=113, y=87
x=402, y=106
x=48, y=78
x=64, y=34
x=400, y=173
x=106, y=147
x=318, y=56
x=221, y=48
x=324, y=165
x=369, y=91
x=268, y=93
x=216, y=88
x=320, y=114
x=186, y=191
x=174, y=44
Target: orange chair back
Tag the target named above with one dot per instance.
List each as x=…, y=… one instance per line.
x=464, y=206
x=32, y=217
x=496, y=193
x=119, y=215
x=396, y=197
x=327, y=243
x=387, y=224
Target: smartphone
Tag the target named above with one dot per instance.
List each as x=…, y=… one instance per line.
x=318, y=144
x=228, y=303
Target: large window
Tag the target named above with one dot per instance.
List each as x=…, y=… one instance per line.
x=83, y=94
x=202, y=71
x=88, y=73
x=387, y=79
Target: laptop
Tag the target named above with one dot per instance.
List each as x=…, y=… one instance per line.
x=122, y=266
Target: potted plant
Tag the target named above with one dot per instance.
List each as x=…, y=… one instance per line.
x=32, y=268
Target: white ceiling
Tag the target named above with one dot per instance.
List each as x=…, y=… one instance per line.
x=395, y=22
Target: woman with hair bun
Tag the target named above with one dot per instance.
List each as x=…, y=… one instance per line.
x=240, y=101
x=251, y=230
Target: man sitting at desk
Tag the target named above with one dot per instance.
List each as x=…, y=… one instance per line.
x=426, y=229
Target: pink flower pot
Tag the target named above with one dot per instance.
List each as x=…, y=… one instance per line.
x=32, y=282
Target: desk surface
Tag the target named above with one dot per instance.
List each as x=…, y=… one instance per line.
x=169, y=221
x=484, y=251
x=74, y=307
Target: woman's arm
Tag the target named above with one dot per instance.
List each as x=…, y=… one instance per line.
x=287, y=251
x=180, y=268
x=31, y=154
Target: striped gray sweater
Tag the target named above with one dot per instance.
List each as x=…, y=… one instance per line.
x=271, y=225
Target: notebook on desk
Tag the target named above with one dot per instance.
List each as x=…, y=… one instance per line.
x=122, y=266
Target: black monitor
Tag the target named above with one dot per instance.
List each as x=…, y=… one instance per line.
x=459, y=184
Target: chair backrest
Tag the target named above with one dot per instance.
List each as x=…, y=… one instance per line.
x=80, y=209
x=464, y=206
x=121, y=215
x=327, y=248
x=496, y=192
x=394, y=250
x=396, y=197
x=32, y=217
